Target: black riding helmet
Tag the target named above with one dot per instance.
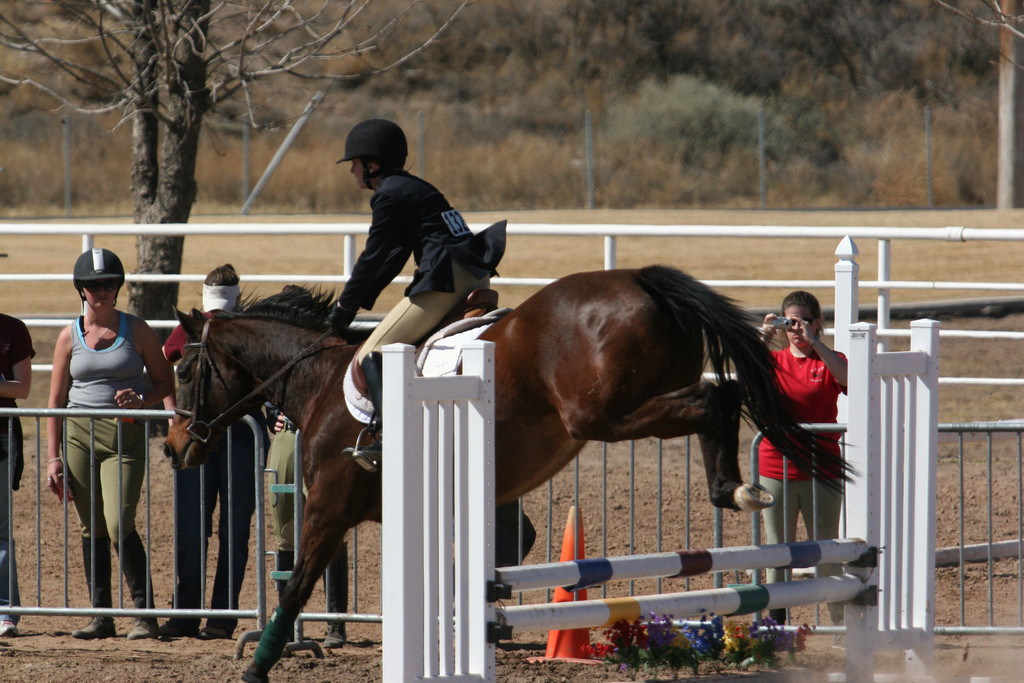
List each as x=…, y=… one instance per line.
x=97, y=264
x=377, y=139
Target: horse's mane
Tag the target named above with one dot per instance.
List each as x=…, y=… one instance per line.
x=294, y=304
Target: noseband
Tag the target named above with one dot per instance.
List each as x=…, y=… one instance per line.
x=197, y=428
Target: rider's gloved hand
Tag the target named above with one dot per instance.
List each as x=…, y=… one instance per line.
x=339, y=319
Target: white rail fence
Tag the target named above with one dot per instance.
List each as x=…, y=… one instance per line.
x=847, y=299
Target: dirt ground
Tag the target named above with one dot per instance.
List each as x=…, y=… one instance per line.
x=45, y=651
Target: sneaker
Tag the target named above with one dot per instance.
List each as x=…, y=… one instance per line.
x=144, y=628
x=8, y=629
x=99, y=627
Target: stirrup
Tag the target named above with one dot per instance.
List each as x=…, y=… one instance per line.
x=368, y=456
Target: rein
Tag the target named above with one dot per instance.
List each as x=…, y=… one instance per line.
x=203, y=430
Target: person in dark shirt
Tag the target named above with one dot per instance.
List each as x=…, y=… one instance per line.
x=228, y=475
x=410, y=217
x=16, y=354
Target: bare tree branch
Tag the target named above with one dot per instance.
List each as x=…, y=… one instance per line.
x=167, y=64
x=992, y=15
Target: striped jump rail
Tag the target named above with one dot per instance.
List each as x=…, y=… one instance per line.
x=585, y=573
x=734, y=600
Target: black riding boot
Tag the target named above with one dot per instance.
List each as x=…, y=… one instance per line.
x=336, y=586
x=778, y=615
x=99, y=588
x=139, y=585
x=369, y=455
x=285, y=563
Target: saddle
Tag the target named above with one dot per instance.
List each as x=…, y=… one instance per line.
x=477, y=303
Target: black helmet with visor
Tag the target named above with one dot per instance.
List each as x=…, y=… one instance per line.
x=97, y=265
x=380, y=140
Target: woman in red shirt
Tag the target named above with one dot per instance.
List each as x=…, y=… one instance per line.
x=811, y=376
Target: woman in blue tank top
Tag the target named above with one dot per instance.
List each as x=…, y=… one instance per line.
x=98, y=363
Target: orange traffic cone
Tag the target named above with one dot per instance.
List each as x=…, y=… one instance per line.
x=570, y=644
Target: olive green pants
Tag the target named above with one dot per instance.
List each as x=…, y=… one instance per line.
x=414, y=317
x=106, y=468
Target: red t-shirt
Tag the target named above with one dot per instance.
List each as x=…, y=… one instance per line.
x=15, y=346
x=811, y=391
x=174, y=347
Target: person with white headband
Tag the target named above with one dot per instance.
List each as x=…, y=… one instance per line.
x=228, y=475
x=220, y=297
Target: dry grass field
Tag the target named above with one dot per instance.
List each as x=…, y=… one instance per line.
x=46, y=653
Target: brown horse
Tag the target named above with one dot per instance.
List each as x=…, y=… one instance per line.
x=606, y=355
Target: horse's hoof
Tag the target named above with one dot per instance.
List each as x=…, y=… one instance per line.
x=254, y=675
x=752, y=497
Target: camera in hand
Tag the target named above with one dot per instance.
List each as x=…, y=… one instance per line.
x=782, y=323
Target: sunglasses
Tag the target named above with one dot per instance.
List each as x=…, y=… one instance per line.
x=101, y=285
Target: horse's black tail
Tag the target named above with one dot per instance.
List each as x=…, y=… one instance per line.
x=732, y=339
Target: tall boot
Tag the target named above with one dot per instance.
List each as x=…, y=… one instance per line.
x=285, y=563
x=99, y=588
x=369, y=455
x=134, y=561
x=336, y=586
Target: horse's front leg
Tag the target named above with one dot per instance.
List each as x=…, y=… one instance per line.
x=320, y=543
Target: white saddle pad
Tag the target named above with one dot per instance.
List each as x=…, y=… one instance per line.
x=439, y=356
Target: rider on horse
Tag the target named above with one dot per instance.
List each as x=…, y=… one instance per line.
x=409, y=217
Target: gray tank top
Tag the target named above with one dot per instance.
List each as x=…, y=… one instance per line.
x=97, y=375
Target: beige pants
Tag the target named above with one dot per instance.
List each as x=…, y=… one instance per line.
x=820, y=508
x=281, y=459
x=414, y=317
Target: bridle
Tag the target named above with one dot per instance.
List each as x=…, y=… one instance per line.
x=202, y=431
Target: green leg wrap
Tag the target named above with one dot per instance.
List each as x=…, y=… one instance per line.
x=275, y=637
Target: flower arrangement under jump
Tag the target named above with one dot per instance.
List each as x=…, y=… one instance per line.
x=662, y=643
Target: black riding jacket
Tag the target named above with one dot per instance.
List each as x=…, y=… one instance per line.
x=410, y=216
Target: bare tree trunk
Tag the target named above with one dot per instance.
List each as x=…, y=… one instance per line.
x=1010, y=182
x=164, y=189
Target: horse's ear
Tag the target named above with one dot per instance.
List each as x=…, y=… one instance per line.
x=192, y=323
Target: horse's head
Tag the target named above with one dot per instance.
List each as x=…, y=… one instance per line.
x=210, y=382
x=233, y=361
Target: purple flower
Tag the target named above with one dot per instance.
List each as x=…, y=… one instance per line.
x=660, y=632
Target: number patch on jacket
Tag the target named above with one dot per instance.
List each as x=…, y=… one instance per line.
x=456, y=223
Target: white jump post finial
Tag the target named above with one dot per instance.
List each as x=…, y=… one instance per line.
x=847, y=304
x=847, y=295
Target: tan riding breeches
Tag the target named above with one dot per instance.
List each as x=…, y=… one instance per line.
x=281, y=460
x=98, y=473
x=414, y=317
